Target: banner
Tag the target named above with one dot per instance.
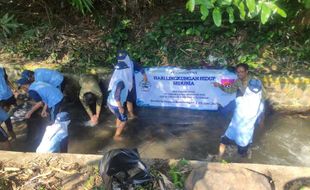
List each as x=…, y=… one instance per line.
x=175, y=87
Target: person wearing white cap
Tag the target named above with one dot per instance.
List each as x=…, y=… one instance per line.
x=117, y=98
x=128, y=77
x=241, y=128
x=55, y=138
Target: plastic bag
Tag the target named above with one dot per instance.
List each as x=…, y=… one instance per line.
x=122, y=169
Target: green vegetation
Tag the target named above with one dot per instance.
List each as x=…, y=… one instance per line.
x=8, y=25
x=158, y=33
x=247, y=9
x=178, y=173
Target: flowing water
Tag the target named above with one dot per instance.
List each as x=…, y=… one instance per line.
x=181, y=133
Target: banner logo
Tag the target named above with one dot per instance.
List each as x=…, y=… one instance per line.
x=145, y=86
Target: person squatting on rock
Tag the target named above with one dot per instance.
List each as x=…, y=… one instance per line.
x=241, y=128
x=55, y=138
x=117, y=97
x=7, y=100
x=128, y=76
x=91, y=98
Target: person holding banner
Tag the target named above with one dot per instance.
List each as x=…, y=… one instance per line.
x=128, y=76
x=117, y=97
x=241, y=128
x=240, y=84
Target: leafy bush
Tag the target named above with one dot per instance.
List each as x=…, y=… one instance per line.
x=247, y=9
x=179, y=172
x=8, y=24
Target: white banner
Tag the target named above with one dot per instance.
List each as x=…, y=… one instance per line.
x=175, y=87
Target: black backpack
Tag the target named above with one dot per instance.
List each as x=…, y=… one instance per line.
x=122, y=169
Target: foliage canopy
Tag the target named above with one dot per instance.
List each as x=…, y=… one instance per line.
x=248, y=9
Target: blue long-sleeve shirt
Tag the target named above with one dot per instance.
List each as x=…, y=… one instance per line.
x=119, y=87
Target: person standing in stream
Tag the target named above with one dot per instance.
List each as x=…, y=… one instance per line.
x=128, y=77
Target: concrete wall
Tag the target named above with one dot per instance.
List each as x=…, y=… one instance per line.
x=203, y=175
x=288, y=93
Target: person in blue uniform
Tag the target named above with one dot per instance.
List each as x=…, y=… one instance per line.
x=128, y=76
x=45, y=95
x=49, y=76
x=7, y=99
x=117, y=98
x=241, y=128
x=55, y=138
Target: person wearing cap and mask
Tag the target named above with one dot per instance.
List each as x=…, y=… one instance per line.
x=91, y=98
x=7, y=99
x=128, y=77
x=49, y=76
x=117, y=98
x=55, y=138
x=44, y=95
x=241, y=128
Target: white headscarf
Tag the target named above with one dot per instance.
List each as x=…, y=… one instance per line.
x=125, y=75
x=53, y=135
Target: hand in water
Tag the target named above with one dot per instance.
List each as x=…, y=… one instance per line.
x=94, y=120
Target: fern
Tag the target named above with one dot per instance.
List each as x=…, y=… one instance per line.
x=82, y=5
x=8, y=24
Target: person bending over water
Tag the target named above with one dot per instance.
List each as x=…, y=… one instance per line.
x=44, y=95
x=91, y=98
x=49, y=76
